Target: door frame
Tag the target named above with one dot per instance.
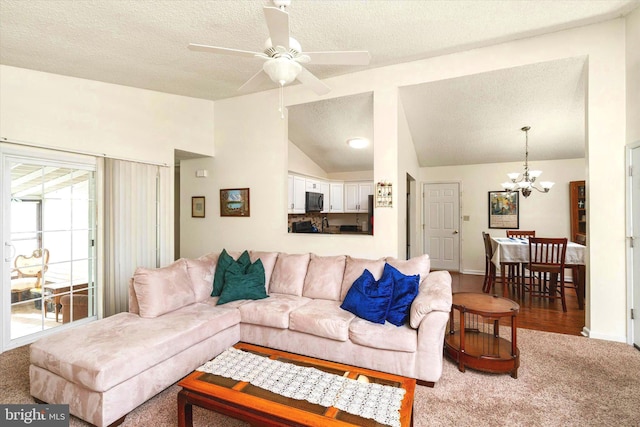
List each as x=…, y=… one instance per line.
x=628, y=248
x=424, y=219
x=9, y=149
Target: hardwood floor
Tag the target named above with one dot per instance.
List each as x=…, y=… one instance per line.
x=537, y=313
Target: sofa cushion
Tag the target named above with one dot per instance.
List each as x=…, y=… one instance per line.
x=369, y=298
x=133, y=300
x=434, y=295
x=268, y=262
x=124, y=345
x=288, y=274
x=354, y=267
x=416, y=265
x=324, y=277
x=273, y=311
x=213, y=301
x=161, y=290
x=405, y=289
x=323, y=318
x=224, y=261
x=385, y=336
x=239, y=284
x=201, y=272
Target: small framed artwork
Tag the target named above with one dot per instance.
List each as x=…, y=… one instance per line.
x=234, y=202
x=197, y=207
x=504, y=209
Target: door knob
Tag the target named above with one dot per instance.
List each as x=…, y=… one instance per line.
x=455, y=231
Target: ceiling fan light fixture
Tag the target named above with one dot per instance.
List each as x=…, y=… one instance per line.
x=358, y=143
x=282, y=70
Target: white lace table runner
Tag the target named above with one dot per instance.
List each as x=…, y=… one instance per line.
x=374, y=401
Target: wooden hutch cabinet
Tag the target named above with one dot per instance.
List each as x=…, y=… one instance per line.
x=577, y=192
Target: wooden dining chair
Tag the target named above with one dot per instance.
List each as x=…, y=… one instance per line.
x=515, y=270
x=489, y=267
x=546, y=268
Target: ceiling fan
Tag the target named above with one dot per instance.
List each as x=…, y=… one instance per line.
x=283, y=55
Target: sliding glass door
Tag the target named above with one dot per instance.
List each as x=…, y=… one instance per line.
x=49, y=239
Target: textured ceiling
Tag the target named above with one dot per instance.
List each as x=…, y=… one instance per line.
x=348, y=117
x=477, y=119
x=143, y=43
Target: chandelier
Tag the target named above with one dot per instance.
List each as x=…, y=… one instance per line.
x=525, y=182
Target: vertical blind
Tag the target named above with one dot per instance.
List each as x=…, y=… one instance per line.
x=137, y=233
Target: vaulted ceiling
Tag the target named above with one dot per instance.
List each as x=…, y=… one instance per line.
x=143, y=44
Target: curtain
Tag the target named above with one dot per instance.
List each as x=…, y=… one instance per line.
x=138, y=225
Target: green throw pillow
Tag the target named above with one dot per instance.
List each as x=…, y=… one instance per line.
x=224, y=262
x=239, y=284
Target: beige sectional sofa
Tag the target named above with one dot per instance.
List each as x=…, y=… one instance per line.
x=105, y=369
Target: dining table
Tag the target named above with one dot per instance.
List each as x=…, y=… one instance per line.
x=514, y=249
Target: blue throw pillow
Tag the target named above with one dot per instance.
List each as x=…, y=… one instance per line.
x=405, y=290
x=239, y=284
x=368, y=298
x=224, y=261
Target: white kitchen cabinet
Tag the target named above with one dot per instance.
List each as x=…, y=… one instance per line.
x=325, y=189
x=356, y=196
x=336, y=192
x=313, y=185
x=365, y=189
x=296, y=194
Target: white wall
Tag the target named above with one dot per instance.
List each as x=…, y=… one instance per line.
x=251, y=124
x=86, y=115
x=54, y=111
x=547, y=214
x=633, y=76
x=407, y=164
x=300, y=163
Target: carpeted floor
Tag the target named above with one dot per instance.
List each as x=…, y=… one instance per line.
x=562, y=381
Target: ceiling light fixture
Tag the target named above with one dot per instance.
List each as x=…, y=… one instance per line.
x=358, y=143
x=283, y=71
x=526, y=182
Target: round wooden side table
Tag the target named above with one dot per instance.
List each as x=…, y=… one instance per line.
x=474, y=333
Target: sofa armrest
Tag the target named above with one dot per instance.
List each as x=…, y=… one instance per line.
x=434, y=295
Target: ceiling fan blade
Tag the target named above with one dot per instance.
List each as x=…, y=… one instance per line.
x=254, y=82
x=278, y=23
x=222, y=50
x=312, y=82
x=355, y=57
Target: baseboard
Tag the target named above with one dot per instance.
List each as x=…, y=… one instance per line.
x=473, y=272
x=590, y=334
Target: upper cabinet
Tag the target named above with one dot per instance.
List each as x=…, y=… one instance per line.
x=296, y=194
x=326, y=196
x=339, y=197
x=356, y=196
x=336, y=192
x=577, y=194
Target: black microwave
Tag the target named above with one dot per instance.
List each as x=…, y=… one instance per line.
x=314, y=202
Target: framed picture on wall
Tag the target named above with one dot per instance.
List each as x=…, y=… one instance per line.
x=234, y=202
x=504, y=209
x=197, y=207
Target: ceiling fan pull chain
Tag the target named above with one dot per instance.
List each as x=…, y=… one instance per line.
x=281, y=109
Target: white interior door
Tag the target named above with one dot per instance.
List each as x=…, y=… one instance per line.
x=442, y=225
x=635, y=233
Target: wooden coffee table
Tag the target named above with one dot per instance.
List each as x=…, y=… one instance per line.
x=255, y=405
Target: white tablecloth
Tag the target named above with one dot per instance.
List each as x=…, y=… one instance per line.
x=506, y=249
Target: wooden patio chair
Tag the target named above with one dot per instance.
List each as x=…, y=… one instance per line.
x=27, y=274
